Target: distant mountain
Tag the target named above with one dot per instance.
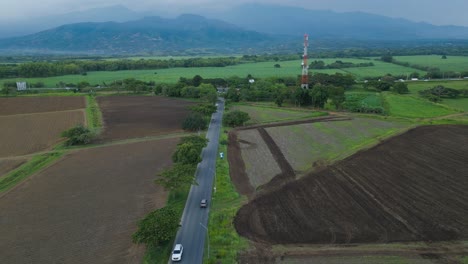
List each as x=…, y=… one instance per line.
x=321, y=24
x=145, y=35
x=32, y=25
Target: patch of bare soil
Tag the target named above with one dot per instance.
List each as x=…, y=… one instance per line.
x=27, y=105
x=85, y=207
x=409, y=188
x=141, y=116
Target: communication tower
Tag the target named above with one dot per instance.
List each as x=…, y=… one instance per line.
x=305, y=66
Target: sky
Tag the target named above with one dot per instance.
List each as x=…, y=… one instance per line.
x=438, y=12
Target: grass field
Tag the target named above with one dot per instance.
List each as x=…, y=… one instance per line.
x=452, y=63
x=260, y=69
x=265, y=114
x=412, y=107
x=415, y=87
x=461, y=103
x=304, y=144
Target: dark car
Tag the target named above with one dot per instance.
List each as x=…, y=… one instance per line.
x=203, y=203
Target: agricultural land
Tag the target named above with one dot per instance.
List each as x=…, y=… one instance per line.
x=141, y=116
x=82, y=204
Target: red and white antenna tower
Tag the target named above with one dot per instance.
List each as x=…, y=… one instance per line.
x=305, y=66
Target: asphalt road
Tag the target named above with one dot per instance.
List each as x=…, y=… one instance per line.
x=193, y=232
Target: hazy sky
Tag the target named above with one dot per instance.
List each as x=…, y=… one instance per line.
x=439, y=12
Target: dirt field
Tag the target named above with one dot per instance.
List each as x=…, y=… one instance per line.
x=26, y=105
x=7, y=165
x=141, y=116
x=84, y=208
x=257, y=158
x=409, y=188
x=28, y=133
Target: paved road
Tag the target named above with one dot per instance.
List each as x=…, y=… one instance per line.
x=192, y=233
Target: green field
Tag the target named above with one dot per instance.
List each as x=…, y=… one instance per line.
x=305, y=144
x=452, y=63
x=412, y=107
x=258, y=70
x=415, y=87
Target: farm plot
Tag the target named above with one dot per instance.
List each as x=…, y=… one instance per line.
x=306, y=144
x=452, y=63
x=85, y=207
x=7, y=165
x=412, y=107
x=141, y=116
x=270, y=114
x=259, y=162
x=29, y=133
x=26, y=105
x=410, y=188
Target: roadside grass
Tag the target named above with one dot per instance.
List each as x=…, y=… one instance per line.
x=19, y=174
x=225, y=243
x=260, y=114
x=412, y=107
x=161, y=254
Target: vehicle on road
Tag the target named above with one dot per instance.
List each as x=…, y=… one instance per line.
x=177, y=252
x=203, y=203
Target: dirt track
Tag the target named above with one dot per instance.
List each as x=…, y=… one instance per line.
x=84, y=208
x=141, y=116
x=409, y=188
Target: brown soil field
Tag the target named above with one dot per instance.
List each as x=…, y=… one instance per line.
x=411, y=187
x=26, y=105
x=29, y=133
x=141, y=116
x=253, y=148
x=7, y=165
x=85, y=207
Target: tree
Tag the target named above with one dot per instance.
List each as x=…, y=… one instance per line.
x=386, y=58
x=400, y=88
x=78, y=135
x=187, y=153
x=194, y=122
x=444, y=57
x=235, y=118
x=204, y=109
x=180, y=175
x=157, y=228
x=319, y=95
x=197, y=80
x=337, y=96
x=277, y=66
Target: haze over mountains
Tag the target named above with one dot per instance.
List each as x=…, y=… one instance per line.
x=237, y=29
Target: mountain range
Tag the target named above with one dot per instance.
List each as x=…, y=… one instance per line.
x=243, y=28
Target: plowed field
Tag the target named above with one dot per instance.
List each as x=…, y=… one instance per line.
x=29, y=133
x=409, y=188
x=141, y=116
x=84, y=208
x=26, y=105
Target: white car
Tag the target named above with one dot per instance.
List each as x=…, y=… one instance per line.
x=177, y=252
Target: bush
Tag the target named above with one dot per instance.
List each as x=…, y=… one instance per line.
x=195, y=122
x=235, y=118
x=78, y=135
